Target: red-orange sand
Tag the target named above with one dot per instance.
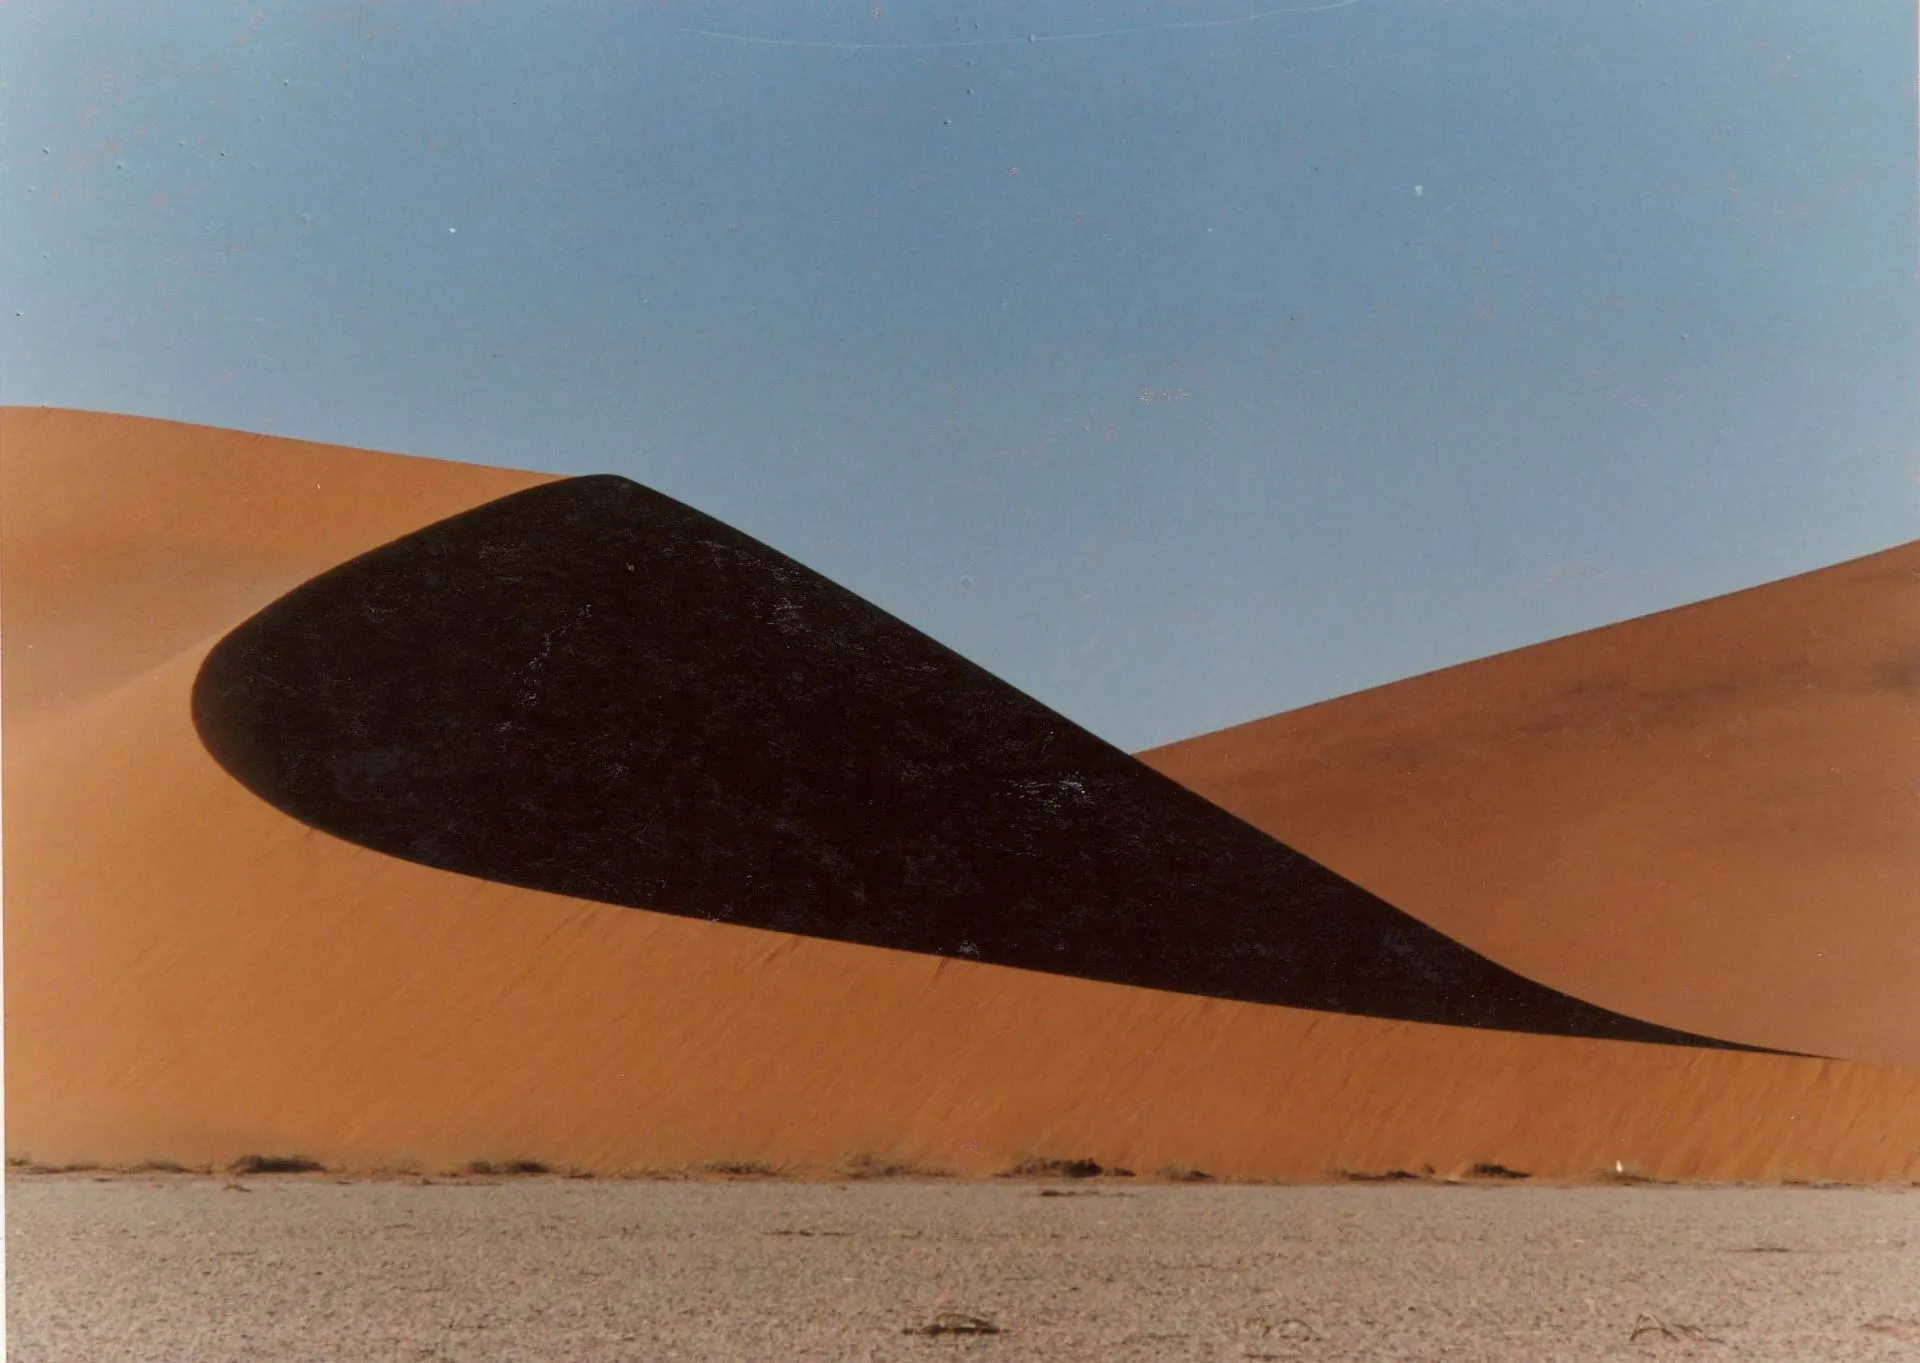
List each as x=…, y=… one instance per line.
x=191, y=975
x=1708, y=817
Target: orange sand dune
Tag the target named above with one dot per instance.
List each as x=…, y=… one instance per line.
x=192, y=975
x=1708, y=817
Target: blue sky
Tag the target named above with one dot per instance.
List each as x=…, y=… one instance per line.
x=1179, y=376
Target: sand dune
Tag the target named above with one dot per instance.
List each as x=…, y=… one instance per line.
x=193, y=975
x=1708, y=817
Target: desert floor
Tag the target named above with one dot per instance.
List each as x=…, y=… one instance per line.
x=191, y=1269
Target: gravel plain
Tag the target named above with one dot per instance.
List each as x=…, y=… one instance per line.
x=306, y=1268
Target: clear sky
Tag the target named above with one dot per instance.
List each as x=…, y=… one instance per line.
x=1179, y=376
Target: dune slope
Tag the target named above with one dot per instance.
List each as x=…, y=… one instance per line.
x=192, y=974
x=1707, y=816
x=124, y=541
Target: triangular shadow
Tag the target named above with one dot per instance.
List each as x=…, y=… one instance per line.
x=592, y=689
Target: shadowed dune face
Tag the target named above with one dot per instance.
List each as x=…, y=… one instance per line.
x=193, y=975
x=1709, y=816
x=591, y=689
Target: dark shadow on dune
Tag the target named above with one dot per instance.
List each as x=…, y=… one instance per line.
x=592, y=689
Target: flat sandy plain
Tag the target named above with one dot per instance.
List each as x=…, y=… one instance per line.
x=307, y=1268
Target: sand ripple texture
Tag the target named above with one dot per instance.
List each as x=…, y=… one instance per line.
x=308, y=1269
